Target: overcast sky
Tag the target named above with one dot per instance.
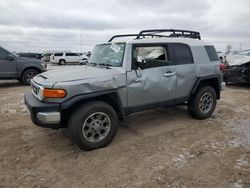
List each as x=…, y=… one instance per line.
x=43, y=25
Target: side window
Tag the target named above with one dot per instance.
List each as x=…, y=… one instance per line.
x=211, y=52
x=3, y=54
x=150, y=56
x=71, y=54
x=75, y=54
x=58, y=54
x=182, y=54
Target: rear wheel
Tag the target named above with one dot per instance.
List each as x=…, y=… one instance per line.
x=202, y=103
x=93, y=125
x=62, y=62
x=28, y=75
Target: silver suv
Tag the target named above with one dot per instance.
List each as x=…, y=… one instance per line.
x=158, y=68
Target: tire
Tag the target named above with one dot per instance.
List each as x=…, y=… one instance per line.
x=62, y=62
x=93, y=125
x=202, y=103
x=28, y=75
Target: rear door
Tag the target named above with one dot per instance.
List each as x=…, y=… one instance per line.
x=185, y=68
x=73, y=57
x=155, y=84
x=7, y=66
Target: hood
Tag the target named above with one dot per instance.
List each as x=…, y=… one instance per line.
x=77, y=73
x=234, y=60
x=27, y=60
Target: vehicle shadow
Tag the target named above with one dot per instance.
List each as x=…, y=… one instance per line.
x=10, y=83
x=239, y=85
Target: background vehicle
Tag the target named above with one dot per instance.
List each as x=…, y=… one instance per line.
x=30, y=55
x=65, y=57
x=20, y=68
x=46, y=57
x=237, y=67
x=121, y=78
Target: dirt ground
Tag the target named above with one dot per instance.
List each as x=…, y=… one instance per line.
x=159, y=148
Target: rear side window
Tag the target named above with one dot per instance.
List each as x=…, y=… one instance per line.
x=182, y=54
x=211, y=52
x=72, y=54
x=58, y=54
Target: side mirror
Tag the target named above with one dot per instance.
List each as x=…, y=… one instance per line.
x=10, y=57
x=141, y=64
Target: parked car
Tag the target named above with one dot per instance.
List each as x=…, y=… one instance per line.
x=65, y=57
x=20, y=68
x=237, y=68
x=46, y=57
x=30, y=55
x=122, y=78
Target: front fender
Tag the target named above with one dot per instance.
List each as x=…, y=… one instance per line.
x=110, y=96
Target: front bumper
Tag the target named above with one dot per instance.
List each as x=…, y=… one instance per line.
x=43, y=114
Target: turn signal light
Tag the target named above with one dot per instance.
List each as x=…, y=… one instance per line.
x=54, y=93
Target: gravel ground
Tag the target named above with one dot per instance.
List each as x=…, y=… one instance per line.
x=159, y=148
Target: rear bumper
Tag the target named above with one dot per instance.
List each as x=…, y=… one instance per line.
x=222, y=86
x=43, y=114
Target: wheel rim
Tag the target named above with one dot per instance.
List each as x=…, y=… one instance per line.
x=206, y=103
x=96, y=127
x=29, y=76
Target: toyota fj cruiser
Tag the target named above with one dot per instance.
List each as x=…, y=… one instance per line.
x=152, y=70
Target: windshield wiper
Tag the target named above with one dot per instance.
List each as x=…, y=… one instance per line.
x=105, y=65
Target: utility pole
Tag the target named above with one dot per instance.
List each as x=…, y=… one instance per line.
x=80, y=41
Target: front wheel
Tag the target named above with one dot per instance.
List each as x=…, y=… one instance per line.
x=62, y=62
x=28, y=75
x=202, y=103
x=93, y=125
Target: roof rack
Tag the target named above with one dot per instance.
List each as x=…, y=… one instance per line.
x=154, y=33
x=173, y=33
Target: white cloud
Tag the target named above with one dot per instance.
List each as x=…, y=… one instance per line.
x=30, y=25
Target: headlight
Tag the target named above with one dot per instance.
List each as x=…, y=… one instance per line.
x=44, y=65
x=40, y=94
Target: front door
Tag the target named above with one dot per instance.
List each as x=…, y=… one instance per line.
x=7, y=66
x=155, y=82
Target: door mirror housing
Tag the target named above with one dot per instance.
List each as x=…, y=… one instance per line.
x=141, y=64
x=10, y=57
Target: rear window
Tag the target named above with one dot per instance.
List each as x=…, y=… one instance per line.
x=211, y=52
x=58, y=54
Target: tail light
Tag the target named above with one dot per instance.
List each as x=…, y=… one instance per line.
x=222, y=67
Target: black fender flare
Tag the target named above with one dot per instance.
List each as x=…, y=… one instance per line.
x=110, y=96
x=206, y=78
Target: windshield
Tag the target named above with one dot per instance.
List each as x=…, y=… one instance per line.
x=109, y=54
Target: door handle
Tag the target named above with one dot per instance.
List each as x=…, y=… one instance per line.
x=169, y=74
